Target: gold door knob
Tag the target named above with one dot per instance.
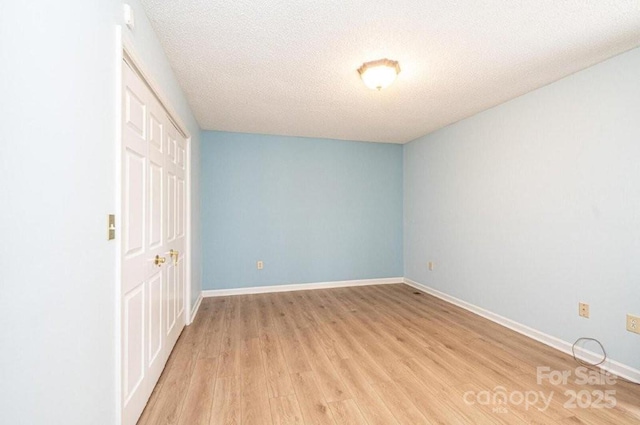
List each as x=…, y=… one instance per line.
x=159, y=261
x=174, y=255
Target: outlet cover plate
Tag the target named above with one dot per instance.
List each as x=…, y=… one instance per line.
x=583, y=310
x=633, y=323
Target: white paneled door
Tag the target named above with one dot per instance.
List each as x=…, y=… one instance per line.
x=153, y=241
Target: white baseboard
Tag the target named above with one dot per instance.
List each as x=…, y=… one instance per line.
x=299, y=287
x=195, y=308
x=609, y=365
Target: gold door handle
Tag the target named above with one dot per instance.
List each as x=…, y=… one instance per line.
x=159, y=261
x=174, y=255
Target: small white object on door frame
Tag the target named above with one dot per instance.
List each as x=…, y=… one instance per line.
x=128, y=16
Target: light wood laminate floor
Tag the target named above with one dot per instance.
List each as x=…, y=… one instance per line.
x=376, y=355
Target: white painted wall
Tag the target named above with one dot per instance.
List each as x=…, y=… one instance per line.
x=533, y=206
x=57, y=162
x=58, y=185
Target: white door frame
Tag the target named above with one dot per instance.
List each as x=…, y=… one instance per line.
x=126, y=52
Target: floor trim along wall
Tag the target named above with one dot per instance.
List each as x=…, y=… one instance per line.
x=195, y=308
x=300, y=287
x=612, y=366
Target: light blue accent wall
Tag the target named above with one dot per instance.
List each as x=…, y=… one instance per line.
x=533, y=206
x=312, y=210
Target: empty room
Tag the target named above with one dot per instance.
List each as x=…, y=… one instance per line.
x=280, y=212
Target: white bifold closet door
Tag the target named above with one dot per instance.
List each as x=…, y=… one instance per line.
x=153, y=241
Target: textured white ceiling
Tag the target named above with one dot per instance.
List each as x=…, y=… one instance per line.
x=289, y=66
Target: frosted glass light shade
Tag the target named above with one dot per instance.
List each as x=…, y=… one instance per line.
x=379, y=74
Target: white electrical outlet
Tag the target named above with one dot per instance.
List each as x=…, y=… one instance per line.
x=260, y=265
x=431, y=266
x=633, y=323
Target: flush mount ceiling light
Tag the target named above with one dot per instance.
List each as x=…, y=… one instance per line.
x=379, y=74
